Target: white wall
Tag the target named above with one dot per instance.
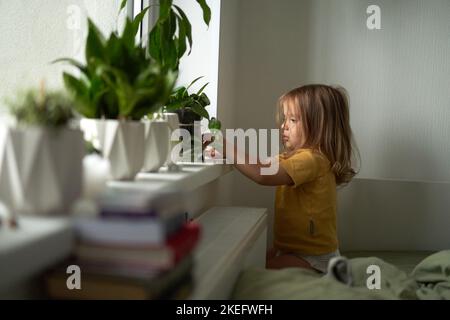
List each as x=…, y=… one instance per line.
x=398, y=79
x=394, y=215
x=36, y=32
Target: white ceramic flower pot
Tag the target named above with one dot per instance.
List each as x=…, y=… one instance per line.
x=174, y=124
x=41, y=169
x=157, y=135
x=121, y=143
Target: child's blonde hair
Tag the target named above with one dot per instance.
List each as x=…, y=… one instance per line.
x=325, y=124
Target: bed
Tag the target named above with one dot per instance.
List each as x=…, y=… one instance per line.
x=402, y=275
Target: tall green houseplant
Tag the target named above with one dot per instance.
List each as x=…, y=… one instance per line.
x=119, y=80
x=124, y=80
x=172, y=32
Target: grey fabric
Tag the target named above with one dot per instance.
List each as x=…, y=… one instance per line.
x=433, y=276
x=350, y=279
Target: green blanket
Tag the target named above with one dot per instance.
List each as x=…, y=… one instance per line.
x=429, y=280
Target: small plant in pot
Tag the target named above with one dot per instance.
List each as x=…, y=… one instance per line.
x=41, y=158
x=118, y=86
x=191, y=108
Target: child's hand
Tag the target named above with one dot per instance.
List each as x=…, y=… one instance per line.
x=213, y=146
x=208, y=138
x=213, y=153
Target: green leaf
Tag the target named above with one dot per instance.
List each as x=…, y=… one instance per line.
x=80, y=90
x=214, y=124
x=198, y=109
x=206, y=11
x=182, y=37
x=202, y=88
x=172, y=24
x=170, y=80
x=177, y=105
x=122, y=5
x=128, y=36
x=132, y=28
x=164, y=9
x=78, y=87
x=138, y=19
x=193, y=81
x=49, y=109
x=187, y=27
x=95, y=47
x=169, y=43
x=117, y=80
x=147, y=101
x=172, y=56
x=182, y=94
x=97, y=89
x=116, y=50
x=154, y=47
x=178, y=90
x=108, y=105
x=73, y=62
x=204, y=100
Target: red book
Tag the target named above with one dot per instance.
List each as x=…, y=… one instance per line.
x=183, y=242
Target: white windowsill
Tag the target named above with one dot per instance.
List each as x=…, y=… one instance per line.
x=190, y=177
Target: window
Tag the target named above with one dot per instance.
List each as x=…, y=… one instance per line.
x=36, y=32
x=204, y=57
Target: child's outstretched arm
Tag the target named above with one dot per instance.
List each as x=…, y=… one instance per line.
x=254, y=171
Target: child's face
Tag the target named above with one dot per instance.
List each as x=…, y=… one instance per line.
x=291, y=129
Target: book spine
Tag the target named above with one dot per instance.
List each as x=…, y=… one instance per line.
x=183, y=243
x=128, y=231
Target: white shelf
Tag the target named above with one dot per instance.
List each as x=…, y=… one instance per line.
x=38, y=243
x=193, y=180
x=190, y=177
x=232, y=239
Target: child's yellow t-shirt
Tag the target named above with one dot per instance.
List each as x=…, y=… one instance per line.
x=305, y=213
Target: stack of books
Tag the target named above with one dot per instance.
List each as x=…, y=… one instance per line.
x=139, y=247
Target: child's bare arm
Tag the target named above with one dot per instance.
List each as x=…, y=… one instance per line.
x=254, y=171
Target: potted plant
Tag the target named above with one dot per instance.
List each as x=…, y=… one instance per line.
x=41, y=157
x=168, y=42
x=191, y=108
x=122, y=81
x=174, y=124
x=119, y=84
x=157, y=132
